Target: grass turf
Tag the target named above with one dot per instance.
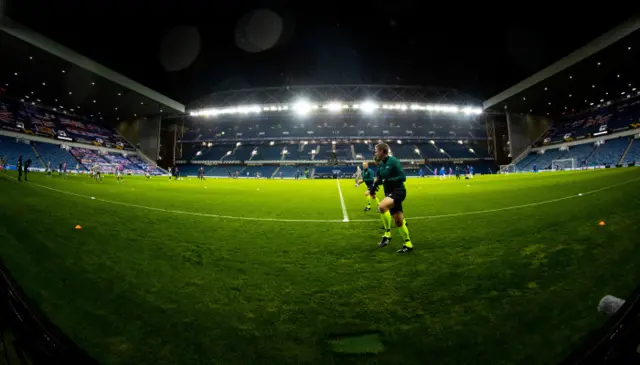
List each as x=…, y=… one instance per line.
x=486, y=283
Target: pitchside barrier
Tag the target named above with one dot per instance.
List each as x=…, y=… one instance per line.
x=27, y=336
x=617, y=342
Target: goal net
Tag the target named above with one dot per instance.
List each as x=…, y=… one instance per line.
x=507, y=169
x=566, y=164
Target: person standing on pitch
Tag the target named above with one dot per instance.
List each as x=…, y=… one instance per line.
x=367, y=179
x=392, y=177
x=27, y=164
x=19, y=166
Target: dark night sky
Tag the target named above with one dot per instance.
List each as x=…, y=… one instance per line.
x=479, y=52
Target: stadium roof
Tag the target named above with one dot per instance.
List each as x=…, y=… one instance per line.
x=605, y=70
x=41, y=71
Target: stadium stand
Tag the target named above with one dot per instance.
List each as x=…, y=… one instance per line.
x=89, y=158
x=12, y=148
x=144, y=165
x=270, y=153
x=57, y=155
x=633, y=155
x=215, y=153
x=265, y=171
x=580, y=153
x=608, y=153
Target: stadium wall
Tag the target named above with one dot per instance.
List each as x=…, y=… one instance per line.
x=524, y=130
x=144, y=134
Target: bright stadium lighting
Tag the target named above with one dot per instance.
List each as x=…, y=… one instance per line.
x=368, y=106
x=432, y=142
x=284, y=151
x=254, y=152
x=460, y=142
x=334, y=107
x=238, y=144
x=228, y=153
x=333, y=142
x=313, y=152
x=198, y=153
x=441, y=150
x=302, y=107
x=399, y=142
x=271, y=143
x=417, y=151
x=471, y=150
x=209, y=144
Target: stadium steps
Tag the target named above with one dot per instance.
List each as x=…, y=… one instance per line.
x=586, y=160
x=626, y=150
x=38, y=155
x=275, y=172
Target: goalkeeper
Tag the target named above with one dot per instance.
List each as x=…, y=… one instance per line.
x=391, y=176
x=367, y=179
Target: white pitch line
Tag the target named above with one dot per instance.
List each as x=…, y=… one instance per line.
x=344, y=207
x=477, y=212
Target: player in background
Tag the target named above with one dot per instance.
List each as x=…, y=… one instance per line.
x=471, y=172
x=457, y=172
x=97, y=174
x=78, y=168
x=535, y=168
x=170, y=172
x=119, y=173
x=64, y=169
x=392, y=177
x=435, y=172
x=450, y=172
x=442, y=173
x=367, y=179
x=420, y=173
x=359, y=177
x=48, y=168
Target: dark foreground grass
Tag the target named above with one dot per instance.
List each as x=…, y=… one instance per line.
x=500, y=286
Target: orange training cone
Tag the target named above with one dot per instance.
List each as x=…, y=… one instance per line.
x=78, y=227
x=601, y=223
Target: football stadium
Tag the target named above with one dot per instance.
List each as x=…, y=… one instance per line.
x=319, y=224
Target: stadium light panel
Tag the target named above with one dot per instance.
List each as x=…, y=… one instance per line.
x=471, y=150
x=313, y=152
x=254, y=152
x=209, y=144
x=198, y=153
x=460, y=142
x=333, y=142
x=334, y=107
x=228, y=153
x=271, y=143
x=368, y=106
x=238, y=144
x=417, y=151
x=302, y=107
x=432, y=142
x=441, y=150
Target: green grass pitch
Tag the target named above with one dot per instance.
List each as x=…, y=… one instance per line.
x=506, y=269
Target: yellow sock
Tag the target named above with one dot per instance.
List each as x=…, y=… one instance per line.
x=404, y=232
x=386, y=221
x=368, y=201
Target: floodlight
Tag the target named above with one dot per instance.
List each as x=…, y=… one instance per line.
x=302, y=107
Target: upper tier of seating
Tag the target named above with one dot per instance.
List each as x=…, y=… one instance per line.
x=615, y=118
x=31, y=120
x=460, y=127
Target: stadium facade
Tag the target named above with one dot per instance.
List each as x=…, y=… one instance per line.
x=328, y=129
